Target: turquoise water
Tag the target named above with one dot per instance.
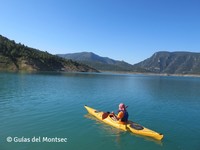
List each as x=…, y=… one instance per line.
x=51, y=105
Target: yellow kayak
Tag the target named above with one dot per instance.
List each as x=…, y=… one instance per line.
x=129, y=126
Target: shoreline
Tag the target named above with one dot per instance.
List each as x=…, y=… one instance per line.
x=152, y=74
x=110, y=72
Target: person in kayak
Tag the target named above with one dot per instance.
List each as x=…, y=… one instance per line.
x=123, y=115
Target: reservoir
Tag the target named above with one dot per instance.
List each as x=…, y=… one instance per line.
x=34, y=106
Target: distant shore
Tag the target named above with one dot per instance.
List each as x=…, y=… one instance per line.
x=112, y=72
x=151, y=74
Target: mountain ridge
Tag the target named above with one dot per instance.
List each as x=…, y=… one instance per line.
x=161, y=62
x=98, y=62
x=182, y=62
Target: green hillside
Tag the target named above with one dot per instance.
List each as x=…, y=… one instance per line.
x=18, y=57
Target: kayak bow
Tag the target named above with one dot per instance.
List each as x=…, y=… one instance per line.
x=129, y=126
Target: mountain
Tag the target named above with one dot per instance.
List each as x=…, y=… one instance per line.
x=15, y=57
x=98, y=62
x=171, y=63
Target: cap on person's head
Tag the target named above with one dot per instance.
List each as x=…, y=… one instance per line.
x=122, y=106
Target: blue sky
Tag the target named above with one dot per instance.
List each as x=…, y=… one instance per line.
x=129, y=30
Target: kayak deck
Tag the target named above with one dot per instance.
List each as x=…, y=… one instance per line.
x=129, y=126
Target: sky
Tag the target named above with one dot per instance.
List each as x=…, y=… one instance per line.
x=128, y=30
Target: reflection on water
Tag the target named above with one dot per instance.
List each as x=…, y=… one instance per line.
x=117, y=133
x=109, y=129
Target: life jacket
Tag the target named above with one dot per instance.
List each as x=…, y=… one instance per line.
x=125, y=117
